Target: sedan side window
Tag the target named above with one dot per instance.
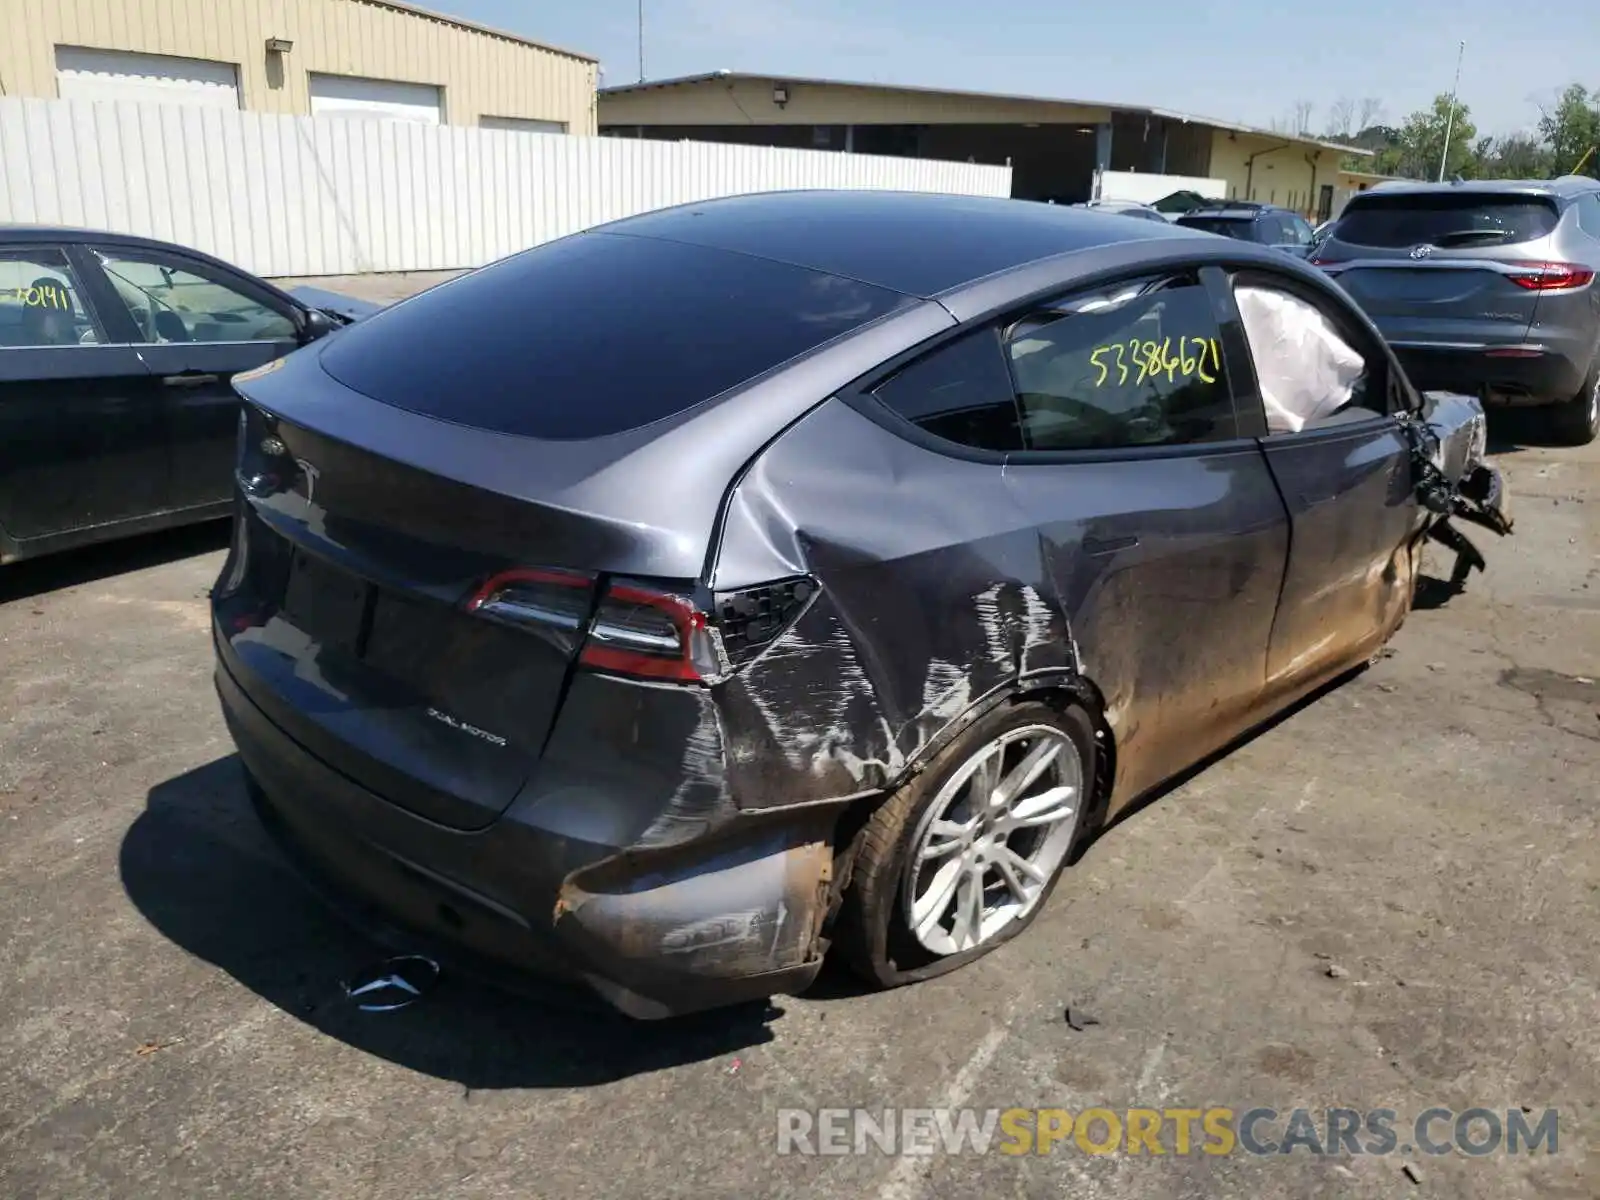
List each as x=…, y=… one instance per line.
x=1307, y=371
x=1137, y=364
x=40, y=304
x=170, y=302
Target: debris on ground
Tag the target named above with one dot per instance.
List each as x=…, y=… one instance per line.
x=1335, y=971
x=1078, y=1020
x=733, y=1067
x=148, y=1048
x=393, y=984
x=1412, y=1173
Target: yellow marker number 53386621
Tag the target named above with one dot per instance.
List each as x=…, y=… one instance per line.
x=1188, y=361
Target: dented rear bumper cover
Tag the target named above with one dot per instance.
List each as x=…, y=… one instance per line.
x=732, y=912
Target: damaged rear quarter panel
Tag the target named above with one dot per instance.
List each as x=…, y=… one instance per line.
x=932, y=598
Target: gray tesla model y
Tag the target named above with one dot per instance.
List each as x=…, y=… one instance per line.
x=667, y=604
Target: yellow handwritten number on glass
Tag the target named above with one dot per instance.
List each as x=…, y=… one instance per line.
x=1094, y=357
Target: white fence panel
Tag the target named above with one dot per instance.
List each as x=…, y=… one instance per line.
x=306, y=196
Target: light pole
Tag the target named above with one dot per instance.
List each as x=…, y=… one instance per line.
x=1450, y=119
x=641, y=41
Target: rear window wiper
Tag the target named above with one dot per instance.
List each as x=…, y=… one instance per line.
x=1461, y=236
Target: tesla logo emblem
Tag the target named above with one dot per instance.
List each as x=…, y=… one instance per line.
x=311, y=475
x=1421, y=251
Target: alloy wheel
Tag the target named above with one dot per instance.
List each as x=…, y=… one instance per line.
x=991, y=841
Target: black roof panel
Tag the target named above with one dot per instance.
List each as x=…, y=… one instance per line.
x=917, y=243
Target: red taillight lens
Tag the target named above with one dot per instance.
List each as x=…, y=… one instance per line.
x=552, y=604
x=1550, y=276
x=643, y=632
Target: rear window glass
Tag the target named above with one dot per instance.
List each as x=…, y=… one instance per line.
x=1444, y=220
x=1234, y=227
x=596, y=334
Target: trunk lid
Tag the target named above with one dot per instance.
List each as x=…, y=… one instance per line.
x=1449, y=298
x=1438, y=267
x=349, y=624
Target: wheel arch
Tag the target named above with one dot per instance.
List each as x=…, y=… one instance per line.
x=1056, y=688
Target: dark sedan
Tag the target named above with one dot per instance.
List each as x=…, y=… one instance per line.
x=659, y=606
x=116, y=355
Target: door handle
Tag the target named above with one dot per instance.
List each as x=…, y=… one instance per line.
x=1094, y=545
x=190, y=379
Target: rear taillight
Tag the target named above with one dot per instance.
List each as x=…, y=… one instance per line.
x=641, y=631
x=1549, y=276
x=554, y=605
x=631, y=630
x=651, y=634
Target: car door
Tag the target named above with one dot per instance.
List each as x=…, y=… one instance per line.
x=81, y=437
x=1322, y=394
x=198, y=325
x=1160, y=521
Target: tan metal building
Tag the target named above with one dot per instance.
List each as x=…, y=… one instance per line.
x=1057, y=148
x=349, y=58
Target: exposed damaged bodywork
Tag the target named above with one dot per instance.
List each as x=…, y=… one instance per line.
x=1454, y=481
x=616, y=706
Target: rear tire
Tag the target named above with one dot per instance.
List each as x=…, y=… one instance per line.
x=907, y=854
x=1576, y=422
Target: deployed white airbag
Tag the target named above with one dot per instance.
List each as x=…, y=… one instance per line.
x=1306, y=371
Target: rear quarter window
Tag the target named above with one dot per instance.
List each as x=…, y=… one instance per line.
x=1395, y=222
x=596, y=334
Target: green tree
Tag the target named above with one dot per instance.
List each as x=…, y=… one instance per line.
x=1384, y=142
x=1514, y=156
x=1422, y=140
x=1571, y=129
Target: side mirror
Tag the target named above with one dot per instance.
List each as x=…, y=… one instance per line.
x=317, y=324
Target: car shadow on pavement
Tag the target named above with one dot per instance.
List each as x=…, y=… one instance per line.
x=1512, y=430
x=69, y=568
x=201, y=869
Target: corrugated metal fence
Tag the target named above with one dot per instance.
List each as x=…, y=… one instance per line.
x=304, y=196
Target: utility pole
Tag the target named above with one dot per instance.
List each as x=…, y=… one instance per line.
x=1450, y=120
x=641, y=41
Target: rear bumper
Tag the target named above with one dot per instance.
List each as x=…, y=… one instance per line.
x=732, y=916
x=1508, y=375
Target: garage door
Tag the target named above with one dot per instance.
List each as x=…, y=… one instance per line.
x=84, y=74
x=380, y=99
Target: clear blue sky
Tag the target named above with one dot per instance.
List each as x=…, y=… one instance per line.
x=1245, y=60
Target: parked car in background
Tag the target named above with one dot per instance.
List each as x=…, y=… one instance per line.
x=1125, y=208
x=116, y=355
x=660, y=605
x=1485, y=287
x=1250, y=221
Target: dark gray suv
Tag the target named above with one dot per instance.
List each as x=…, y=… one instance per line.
x=1485, y=287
